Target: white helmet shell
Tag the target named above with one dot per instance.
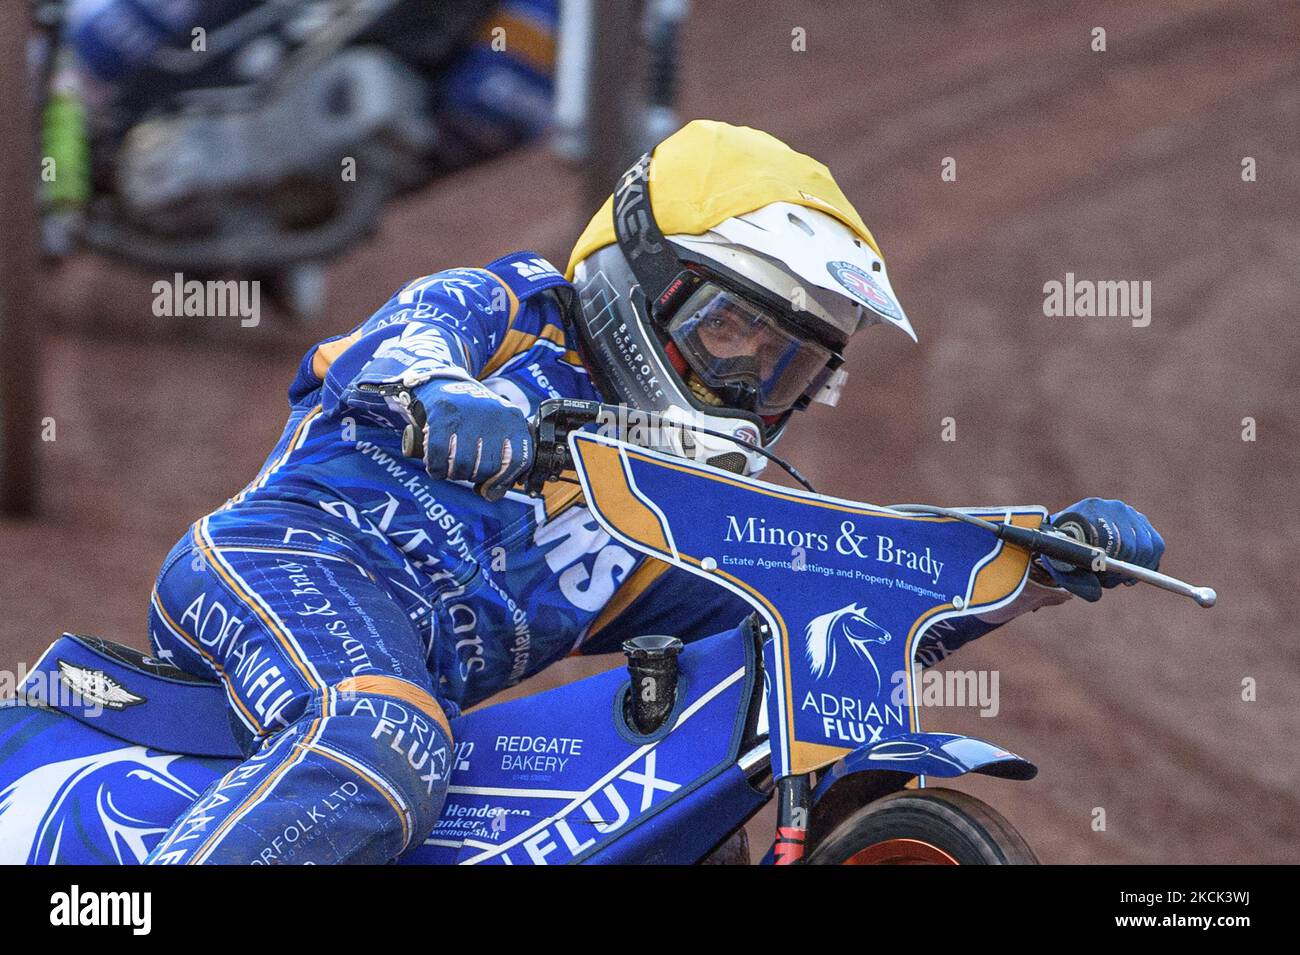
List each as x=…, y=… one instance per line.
x=807, y=257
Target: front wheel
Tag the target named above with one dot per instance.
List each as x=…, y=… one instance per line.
x=924, y=827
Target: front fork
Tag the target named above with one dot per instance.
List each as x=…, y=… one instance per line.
x=793, y=803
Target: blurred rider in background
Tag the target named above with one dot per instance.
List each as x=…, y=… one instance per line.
x=488, y=63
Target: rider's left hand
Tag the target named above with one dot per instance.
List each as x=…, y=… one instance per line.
x=1122, y=531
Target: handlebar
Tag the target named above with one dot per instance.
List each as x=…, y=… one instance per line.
x=556, y=418
x=1059, y=546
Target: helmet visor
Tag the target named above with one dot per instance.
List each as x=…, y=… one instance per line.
x=744, y=352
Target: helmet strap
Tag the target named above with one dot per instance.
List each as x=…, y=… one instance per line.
x=648, y=254
x=676, y=359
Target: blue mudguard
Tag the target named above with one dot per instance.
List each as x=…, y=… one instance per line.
x=926, y=754
x=133, y=697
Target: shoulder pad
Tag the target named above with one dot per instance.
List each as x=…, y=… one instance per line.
x=526, y=274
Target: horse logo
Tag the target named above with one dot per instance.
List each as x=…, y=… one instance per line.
x=98, y=792
x=849, y=625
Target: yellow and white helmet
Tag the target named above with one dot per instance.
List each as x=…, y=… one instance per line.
x=718, y=286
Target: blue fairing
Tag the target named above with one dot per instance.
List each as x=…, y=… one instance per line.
x=558, y=777
x=70, y=794
x=928, y=754
x=552, y=778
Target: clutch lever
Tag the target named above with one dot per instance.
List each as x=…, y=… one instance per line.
x=555, y=418
x=404, y=400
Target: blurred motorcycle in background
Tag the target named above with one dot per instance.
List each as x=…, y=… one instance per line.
x=213, y=137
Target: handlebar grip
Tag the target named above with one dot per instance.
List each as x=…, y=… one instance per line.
x=1077, y=526
x=1082, y=556
x=1049, y=545
x=549, y=429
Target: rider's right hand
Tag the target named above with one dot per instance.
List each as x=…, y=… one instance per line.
x=472, y=434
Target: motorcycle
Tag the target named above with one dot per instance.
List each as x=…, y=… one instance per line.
x=271, y=138
x=812, y=701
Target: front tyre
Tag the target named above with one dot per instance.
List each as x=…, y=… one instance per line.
x=924, y=827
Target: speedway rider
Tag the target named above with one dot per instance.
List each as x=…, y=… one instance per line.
x=351, y=599
x=484, y=98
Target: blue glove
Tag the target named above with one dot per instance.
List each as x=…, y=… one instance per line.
x=473, y=434
x=1121, y=531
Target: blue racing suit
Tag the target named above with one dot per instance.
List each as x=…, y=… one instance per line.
x=350, y=603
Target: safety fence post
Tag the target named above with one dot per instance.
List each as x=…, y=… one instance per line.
x=19, y=301
x=610, y=98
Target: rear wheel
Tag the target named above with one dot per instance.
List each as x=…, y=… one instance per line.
x=924, y=827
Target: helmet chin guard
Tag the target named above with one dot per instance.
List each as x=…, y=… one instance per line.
x=628, y=365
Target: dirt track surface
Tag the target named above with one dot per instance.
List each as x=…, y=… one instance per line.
x=1117, y=165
